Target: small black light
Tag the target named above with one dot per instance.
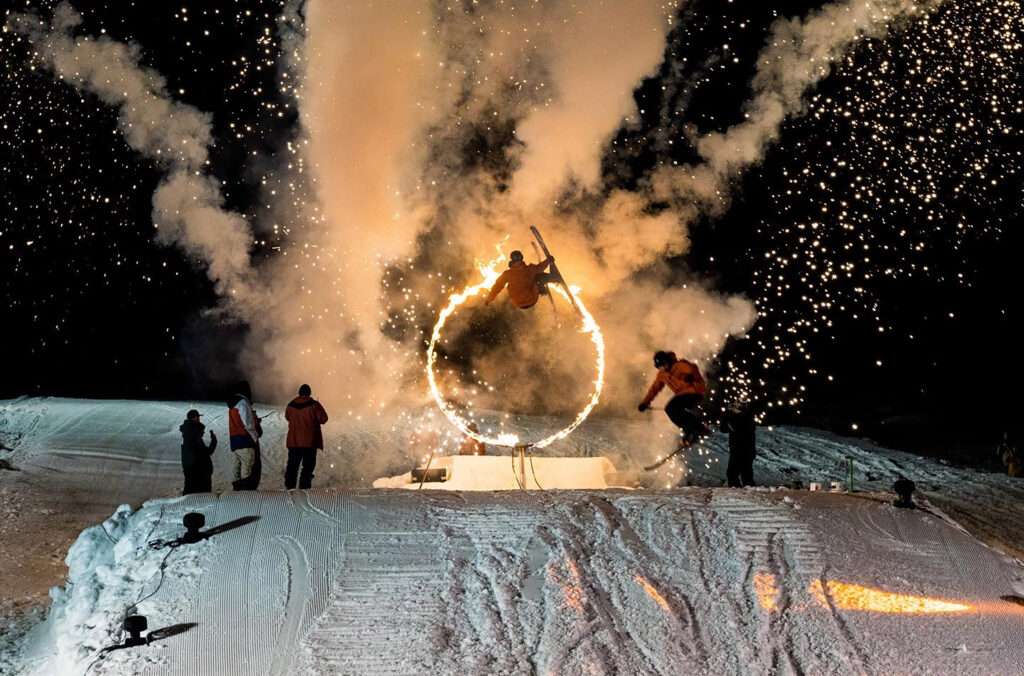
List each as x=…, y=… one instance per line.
x=135, y=625
x=904, y=489
x=193, y=521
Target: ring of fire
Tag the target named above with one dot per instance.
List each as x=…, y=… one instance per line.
x=588, y=326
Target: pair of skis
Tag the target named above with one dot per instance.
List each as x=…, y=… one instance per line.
x=683, y=447
x=559, y=279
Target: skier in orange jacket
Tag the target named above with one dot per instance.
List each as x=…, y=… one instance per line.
x=525, y=281
x=685, y=381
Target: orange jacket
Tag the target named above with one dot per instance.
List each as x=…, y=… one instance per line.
x=305, y=415
x=682, y=377
x=522, y=289
x=471, y=446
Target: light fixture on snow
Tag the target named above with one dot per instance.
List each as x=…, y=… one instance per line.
x=904, y=488
x=193, y=521
x=135, y=625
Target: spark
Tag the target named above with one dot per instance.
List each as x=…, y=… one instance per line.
x=588, y=326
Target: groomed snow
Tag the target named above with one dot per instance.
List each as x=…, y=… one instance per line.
x=559, y=582
x=696, y=580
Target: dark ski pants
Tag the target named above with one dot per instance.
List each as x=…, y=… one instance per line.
x=197, y=479
x=678, y=411
x=307, y=458
x=740, y=471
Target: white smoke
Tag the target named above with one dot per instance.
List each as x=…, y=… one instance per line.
x=433, y=131
x=800, y=52
x=187, y=206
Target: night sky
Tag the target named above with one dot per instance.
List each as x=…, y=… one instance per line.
x=879, y=238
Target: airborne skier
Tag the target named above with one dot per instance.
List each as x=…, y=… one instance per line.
x=685, y=381
x=525, y=281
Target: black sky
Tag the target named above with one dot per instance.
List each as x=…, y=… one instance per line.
x=902, y=179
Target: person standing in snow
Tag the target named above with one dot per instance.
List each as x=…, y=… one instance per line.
x=471, y=446
x=245, y=431
x=525, y=281
x=686, y=382
x=1010, y=453
x=739, y=424
x=195, y=455
x=305, y=415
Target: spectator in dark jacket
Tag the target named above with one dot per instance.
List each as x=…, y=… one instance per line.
x=195, y=455
x=305, y=415
x=740, y=426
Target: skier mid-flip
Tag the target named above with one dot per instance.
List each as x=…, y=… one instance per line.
x=525, y=281
x=685, y=381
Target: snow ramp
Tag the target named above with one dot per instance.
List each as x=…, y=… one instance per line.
x=693, y=581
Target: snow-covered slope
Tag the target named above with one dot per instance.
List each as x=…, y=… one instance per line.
x=343, y=580
x=698, y=581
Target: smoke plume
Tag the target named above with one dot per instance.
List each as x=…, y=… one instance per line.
x=432, y=132
x=187, y=205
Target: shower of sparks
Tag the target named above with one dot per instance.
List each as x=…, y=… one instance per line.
x=907, y=163
x=588, y=326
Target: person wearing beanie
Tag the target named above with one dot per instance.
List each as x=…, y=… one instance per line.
x=305, y=415
x=195, y=455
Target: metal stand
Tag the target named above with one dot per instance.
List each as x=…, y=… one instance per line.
x=521, y=452
x=425, y=470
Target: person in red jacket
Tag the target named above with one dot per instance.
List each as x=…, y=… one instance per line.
x=525, y=281
x=471, y=446
x=305, y=415
x=685, y=381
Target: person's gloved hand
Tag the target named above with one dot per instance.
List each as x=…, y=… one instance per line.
x=642, y=407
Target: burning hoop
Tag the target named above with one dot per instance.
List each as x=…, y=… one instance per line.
x=587, y=326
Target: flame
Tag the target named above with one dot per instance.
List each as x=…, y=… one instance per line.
x=588, y=326
x=653, y=593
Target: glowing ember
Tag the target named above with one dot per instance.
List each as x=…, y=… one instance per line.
x=587, y=326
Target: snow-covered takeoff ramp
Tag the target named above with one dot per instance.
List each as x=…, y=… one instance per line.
x=702, y=581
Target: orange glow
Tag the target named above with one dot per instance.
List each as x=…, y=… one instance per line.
x=571, y=590
x=653, y=593
x=489, y=272
x=845, y=596
x=854, y=597
x=764, y=587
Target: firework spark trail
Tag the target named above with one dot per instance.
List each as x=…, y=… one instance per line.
x=187, y=205
x=588, y=326
x=328, y=307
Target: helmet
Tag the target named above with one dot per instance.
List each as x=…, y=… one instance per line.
x=662, y=358
x=516, y=255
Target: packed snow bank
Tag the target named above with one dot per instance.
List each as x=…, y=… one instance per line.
x=697, y=581
x=96, y=455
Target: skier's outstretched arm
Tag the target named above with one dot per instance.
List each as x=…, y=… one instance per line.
x=656, y=387
x=496, y=289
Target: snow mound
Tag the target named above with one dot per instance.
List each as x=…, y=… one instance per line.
x=698, y=581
